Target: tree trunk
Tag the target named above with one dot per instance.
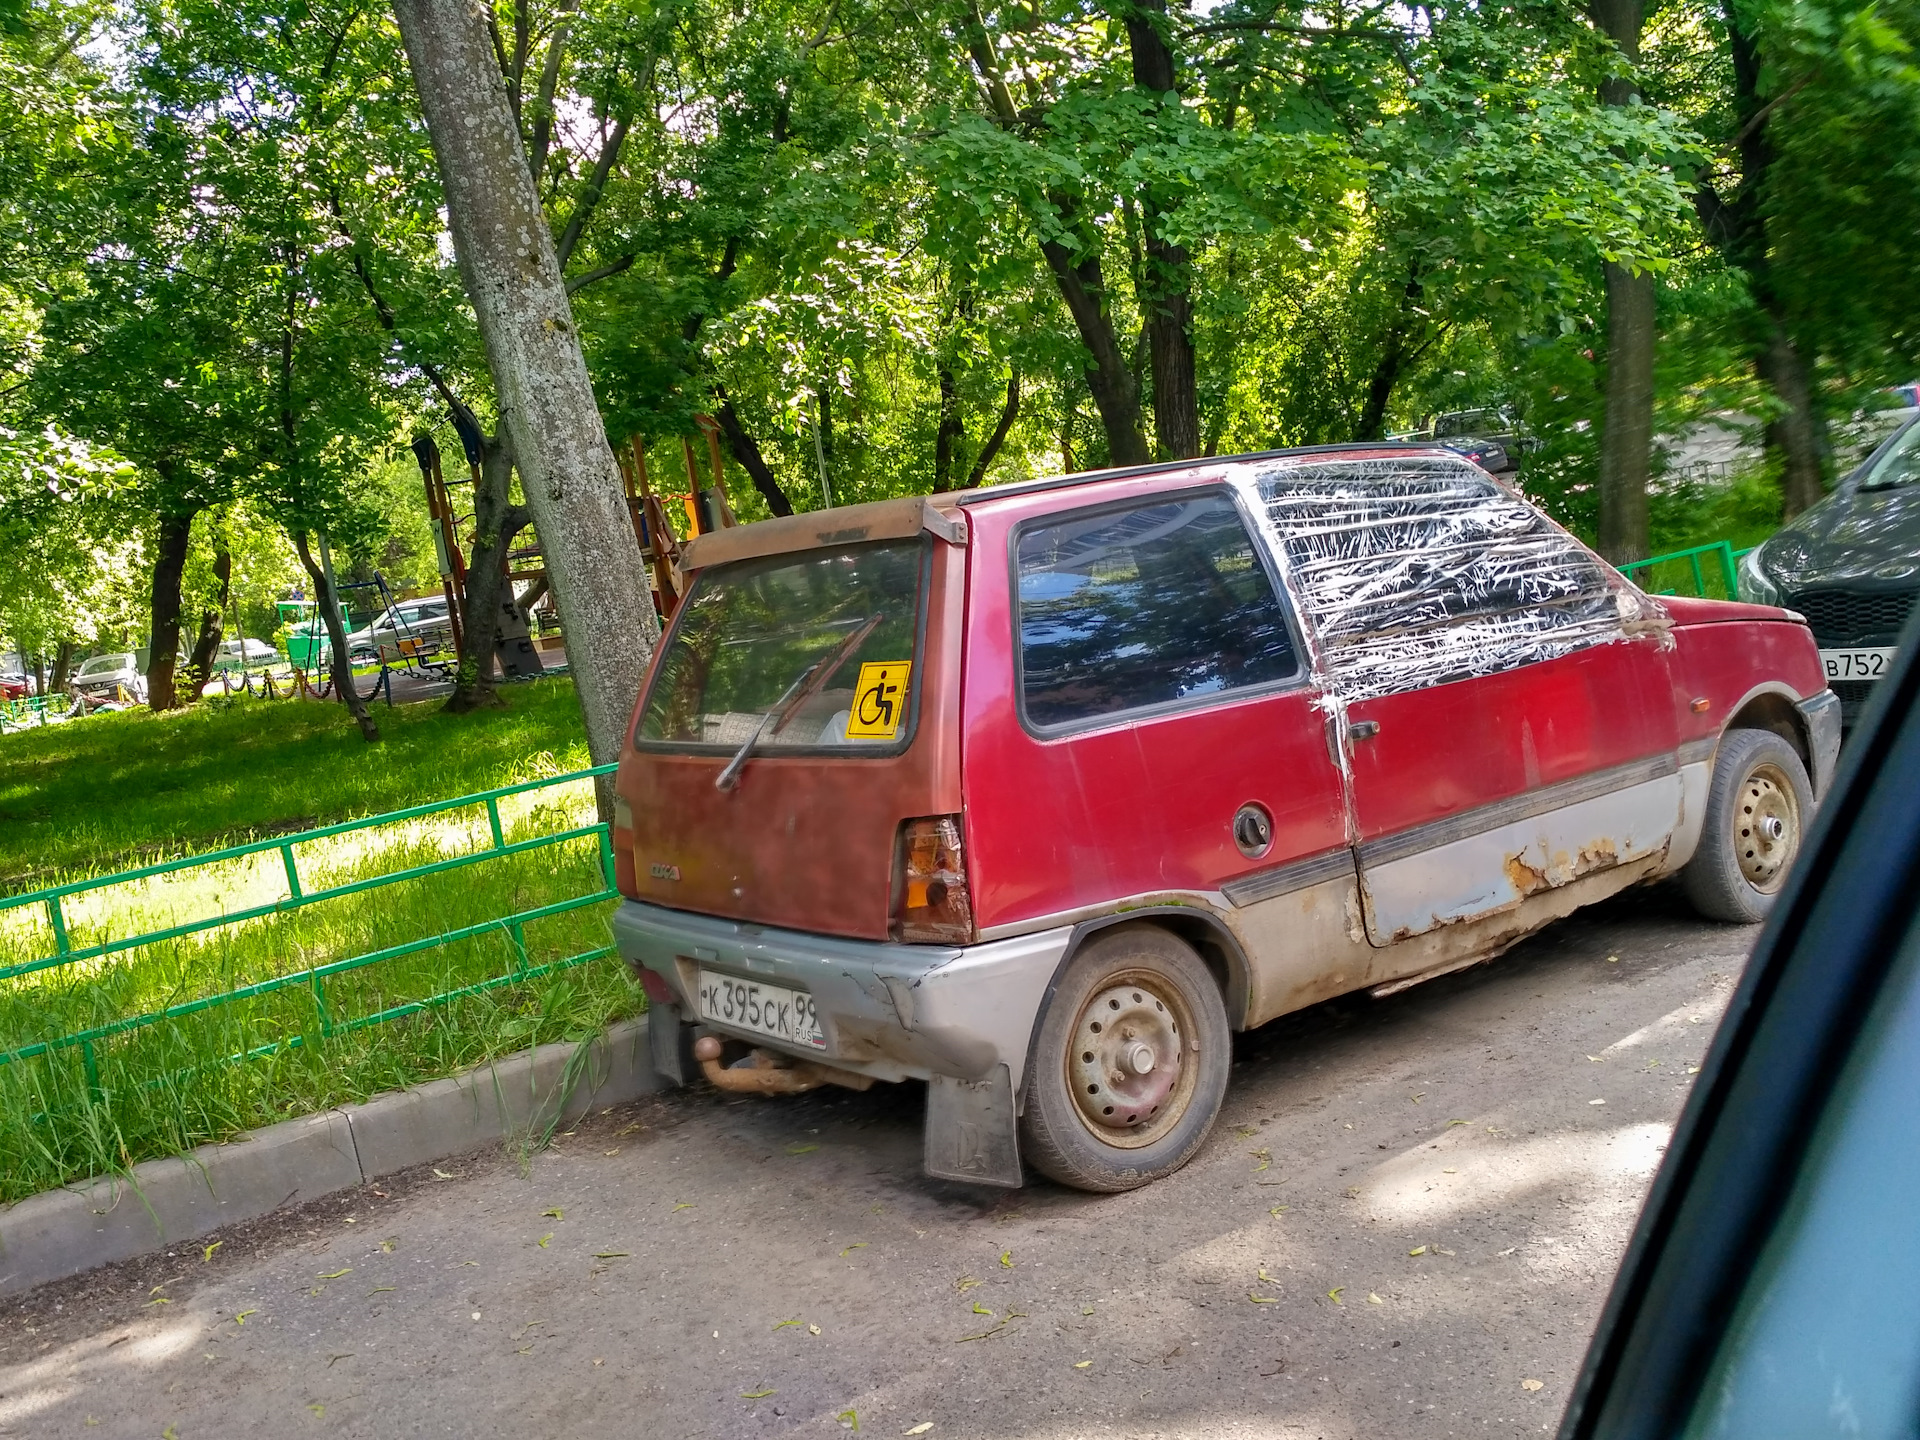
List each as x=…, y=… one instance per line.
x=1626, y=439
x=1176, y=396
x=1008, y=414
x=1626, y=435
x=746, y=452
x=1395, y=356
x=495, y=522
x=1738, y=227
x=1109, y=379
x=62, y=669
x=548, y=414
x=1386, y=374
x=1116, y=394
x=1167, y=301
x=163, y=635
x=1793, y=433
x=340, y=662
x=213, y=623
x=950, y=433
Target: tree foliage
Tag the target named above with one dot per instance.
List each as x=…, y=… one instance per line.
x=894, y=250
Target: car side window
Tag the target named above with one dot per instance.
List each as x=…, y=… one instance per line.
x=1418, y=570
x=1124, y=610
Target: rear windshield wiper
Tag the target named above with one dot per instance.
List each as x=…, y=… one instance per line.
x=797, y=694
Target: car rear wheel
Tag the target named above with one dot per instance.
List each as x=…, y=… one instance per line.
x=1130, y=1063
x=1758, y=807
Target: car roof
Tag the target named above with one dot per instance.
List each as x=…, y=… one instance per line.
x=1178, y=469
x=907, y=515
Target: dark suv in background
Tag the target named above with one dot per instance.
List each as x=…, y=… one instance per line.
x=1851, y=565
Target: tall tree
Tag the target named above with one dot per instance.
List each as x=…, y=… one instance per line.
x=512, y=274
x=1626, y=436
x=1739, y=226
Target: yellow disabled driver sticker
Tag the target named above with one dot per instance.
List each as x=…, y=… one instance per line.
x=880, y=700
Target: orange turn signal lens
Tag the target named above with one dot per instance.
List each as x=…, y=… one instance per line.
x=931, y=902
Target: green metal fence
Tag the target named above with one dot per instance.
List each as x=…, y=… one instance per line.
x=1709, y=570
x=83, y=960
x=30, y=710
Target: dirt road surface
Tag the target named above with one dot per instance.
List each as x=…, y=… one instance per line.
x=1405, y=1224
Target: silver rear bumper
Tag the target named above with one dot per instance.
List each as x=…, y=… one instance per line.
x=889, y=1011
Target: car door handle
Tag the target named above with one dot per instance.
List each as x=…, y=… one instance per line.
x=1363, y=729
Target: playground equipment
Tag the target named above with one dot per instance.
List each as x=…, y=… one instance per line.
x=706, y=509
x=513, y=647
x=517, y=650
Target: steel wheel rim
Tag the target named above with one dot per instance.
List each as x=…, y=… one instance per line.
x=1766, y=828
x=1127, y=1062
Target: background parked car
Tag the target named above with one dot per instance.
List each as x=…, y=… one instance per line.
x=15, y=685
x=100, y=677
x=424, y=623
x=1491, y=438
x=1851, y=565
x=244, y=654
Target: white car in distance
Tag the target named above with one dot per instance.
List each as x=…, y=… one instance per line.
x=104, y=676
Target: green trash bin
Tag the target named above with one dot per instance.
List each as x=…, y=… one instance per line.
x=306, y=633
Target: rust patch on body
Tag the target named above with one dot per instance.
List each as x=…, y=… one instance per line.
x=1595, y=855
x=1527, y=879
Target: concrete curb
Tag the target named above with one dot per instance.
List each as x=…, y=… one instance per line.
x=520, y=1097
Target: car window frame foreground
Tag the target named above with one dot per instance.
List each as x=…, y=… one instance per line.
x=1816, y=971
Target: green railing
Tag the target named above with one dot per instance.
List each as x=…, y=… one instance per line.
x=57, y=901
x=1709, y=568
x=31, y=710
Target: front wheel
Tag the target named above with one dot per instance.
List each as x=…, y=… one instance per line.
x=1130, y=1063
x=1758, y=807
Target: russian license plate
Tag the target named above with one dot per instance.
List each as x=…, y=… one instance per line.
x=1867, y=663
x=771, y=1010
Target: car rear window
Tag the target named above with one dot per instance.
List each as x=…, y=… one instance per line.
x=1128, y=609
x=820, y=645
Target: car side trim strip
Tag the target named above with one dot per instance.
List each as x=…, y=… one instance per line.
x=1286, y=879
x=1697, y=752
x=1524, y=806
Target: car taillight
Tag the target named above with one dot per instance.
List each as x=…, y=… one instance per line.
x=625, y=880
x=930, y=899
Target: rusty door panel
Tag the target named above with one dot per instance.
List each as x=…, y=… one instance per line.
x=803, y=842
x=1442, y=753
x=1451, y=748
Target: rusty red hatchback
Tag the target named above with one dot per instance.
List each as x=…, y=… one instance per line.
x=1038, y=793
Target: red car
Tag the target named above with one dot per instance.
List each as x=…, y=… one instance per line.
x=1037, y=793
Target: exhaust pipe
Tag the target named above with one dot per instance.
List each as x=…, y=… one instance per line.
x=771, y=1074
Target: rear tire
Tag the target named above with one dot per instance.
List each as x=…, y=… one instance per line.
x=1129, y=1065
x=1759, y=805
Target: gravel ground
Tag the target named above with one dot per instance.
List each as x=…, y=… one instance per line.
x=1405, y=1224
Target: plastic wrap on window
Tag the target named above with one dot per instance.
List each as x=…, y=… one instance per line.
x=1418, y=569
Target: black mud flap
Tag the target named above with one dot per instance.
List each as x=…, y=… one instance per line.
x=670, y=1045
x=972, y=1133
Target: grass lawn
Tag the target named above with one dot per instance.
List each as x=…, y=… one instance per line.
x=115, y=791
